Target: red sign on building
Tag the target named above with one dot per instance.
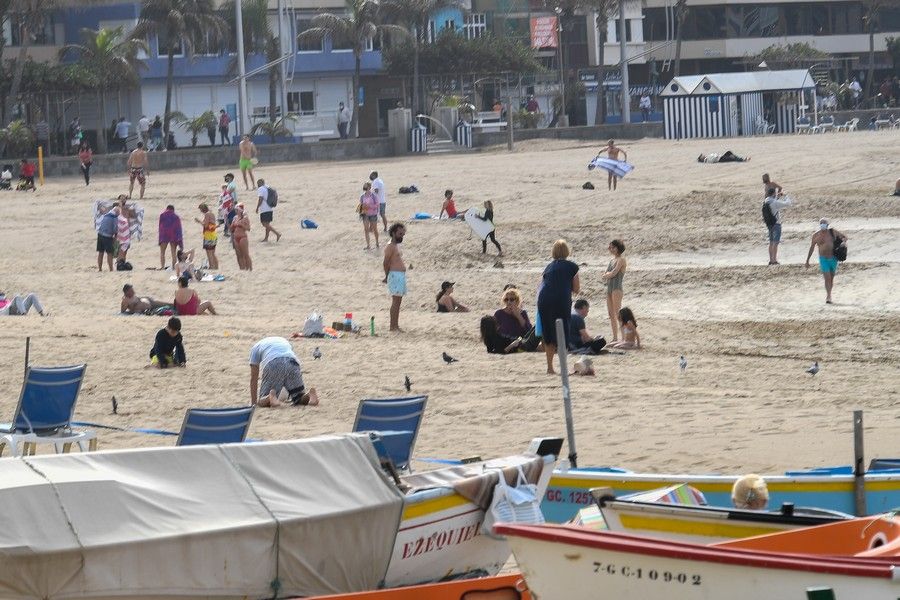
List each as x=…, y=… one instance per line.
x=544, y=32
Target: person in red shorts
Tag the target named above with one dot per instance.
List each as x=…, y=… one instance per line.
x=26, y=173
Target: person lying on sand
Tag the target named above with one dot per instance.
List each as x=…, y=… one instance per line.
x=138, y=305
x=20, y=305
x=727, y=156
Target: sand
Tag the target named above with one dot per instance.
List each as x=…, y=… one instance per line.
x=697, y=282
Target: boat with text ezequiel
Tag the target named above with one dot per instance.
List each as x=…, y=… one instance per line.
x=566, y=562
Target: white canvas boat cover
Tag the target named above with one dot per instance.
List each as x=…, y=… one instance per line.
x=740, y=83
x=294, y=518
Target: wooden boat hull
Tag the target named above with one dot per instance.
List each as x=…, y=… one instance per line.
x=569, y=490
x=503, y=587
x=568, y=563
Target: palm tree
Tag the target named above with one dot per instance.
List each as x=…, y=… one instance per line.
x=357, y=27
x=32, y=15
x=604, y=9
x=871, y=12
x=179, y=24
x=17, y=138
x=197, y=125
x=415, y=15
x=274, y=128
x=681, y=11
x=113, y=58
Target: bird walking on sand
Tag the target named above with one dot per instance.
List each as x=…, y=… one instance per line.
x=407, y=383
x=317, y=354
x=813, y=369
x=448, y=359
x=115, y=404
x=682, y=363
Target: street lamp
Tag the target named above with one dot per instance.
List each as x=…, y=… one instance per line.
x=562, y=78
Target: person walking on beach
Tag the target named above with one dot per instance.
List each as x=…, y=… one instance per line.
x=210, y=236
x=560, y=281
x=138, y=168
x=248, y=153
x=265, y=211
x=343, y=118
x=368, y=202
x=395, y=272
x=612, y=152
x=615, y=273
x=489, y=217
x=106, y=238
x=170, y=236
x=224, y=124
x=381, y=194
x=772, y=206
x=281, y=371
x=86, y=158
x=827, y=240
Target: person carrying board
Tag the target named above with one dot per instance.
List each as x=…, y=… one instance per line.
x=489, y=218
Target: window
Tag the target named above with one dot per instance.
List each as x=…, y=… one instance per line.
x=45, y=36
x=627, y=30
x=305, y=44
x=303, y=103
x=206, y=47
x=449, y=25
x=474, y=26
x=430, y=34
x=161, y=41
x=341, y=44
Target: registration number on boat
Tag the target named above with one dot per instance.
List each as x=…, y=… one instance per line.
x=650, y=574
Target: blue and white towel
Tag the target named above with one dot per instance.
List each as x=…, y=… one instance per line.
x=619, y=168
x=136, y=223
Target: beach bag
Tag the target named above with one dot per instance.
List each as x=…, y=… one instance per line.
x=840, y=247
x=123, y=265
x=314, y=325
x=769, y=217
x=520, y=504
x=272, y=200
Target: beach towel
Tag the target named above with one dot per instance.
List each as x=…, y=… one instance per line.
x=135, y=223
x=170, y=228
x=619, y=168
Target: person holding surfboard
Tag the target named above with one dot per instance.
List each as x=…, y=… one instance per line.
x=489, y=218
x=395, y=272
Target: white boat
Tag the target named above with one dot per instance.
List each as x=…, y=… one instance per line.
x=565, y=562
x=293, y=518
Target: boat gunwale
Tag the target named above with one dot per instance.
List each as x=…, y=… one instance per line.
x=724, y=514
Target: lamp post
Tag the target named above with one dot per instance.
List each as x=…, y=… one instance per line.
x=243, y=122
x=562, y=77
x=626, y=89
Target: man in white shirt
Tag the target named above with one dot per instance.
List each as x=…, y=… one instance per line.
x=122, y=128
x=856, y=89
x=266, y=213
x=344, y=117
x=645, y=106
x=381, y=194
x=144, y=128
x=776, y=202
x=281, y=370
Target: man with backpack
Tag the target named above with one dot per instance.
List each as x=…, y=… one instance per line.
x=771, y=212
x=265, y=208
x=832, y=245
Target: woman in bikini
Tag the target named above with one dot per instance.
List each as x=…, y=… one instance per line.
x=446, y=302
x=187, y=302
x=240, y=225
x=615, y=273
x=631, y=340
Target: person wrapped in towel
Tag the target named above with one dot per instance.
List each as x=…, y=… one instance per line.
x=611, y=164
x=727, y=156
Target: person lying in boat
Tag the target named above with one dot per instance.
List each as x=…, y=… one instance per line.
x=727, y=156
x=750, y=493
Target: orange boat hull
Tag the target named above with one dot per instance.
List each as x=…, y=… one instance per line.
x=501, y=587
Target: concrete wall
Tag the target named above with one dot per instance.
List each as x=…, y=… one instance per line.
x=201, y=158
x=601, y=133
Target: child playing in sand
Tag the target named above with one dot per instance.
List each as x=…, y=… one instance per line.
x=26, y=176
x=168, y=347
x=631, y=339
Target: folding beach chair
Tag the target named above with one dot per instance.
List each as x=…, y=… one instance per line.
x=45, y=410
x=215, y=426
x=398, y=419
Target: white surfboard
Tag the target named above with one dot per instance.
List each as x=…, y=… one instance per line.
x=481, y=228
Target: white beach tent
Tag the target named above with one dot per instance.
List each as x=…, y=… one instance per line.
x=263, y=520
x=731, y=104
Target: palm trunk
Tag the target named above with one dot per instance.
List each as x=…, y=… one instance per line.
x=170, y=77
x=681, y=17
x=13, y=94
x=273, y=95
x=600, y=115
x=102, y=146
x=415, y=90
x=870, y=78
x=354, y=118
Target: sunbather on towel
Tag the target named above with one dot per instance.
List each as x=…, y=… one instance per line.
x=727, y=156
x=20, y=305
x=168, y=347
x=138, y=305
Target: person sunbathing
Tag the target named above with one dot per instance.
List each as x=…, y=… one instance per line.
x=133, y=304
x=727, y=156
x=446, y=302
x=187, y=302
x=20, y=305
x=185, y=265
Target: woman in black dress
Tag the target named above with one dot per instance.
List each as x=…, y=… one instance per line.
x=560, y=281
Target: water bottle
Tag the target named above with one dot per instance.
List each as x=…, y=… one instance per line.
x=372, y=326
x=348, y=322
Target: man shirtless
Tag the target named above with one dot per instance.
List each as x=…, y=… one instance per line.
x=395, y=272
x=824, y=239
x=138, y=168
x=612, y=152
x=248, y=153
x=137, y=305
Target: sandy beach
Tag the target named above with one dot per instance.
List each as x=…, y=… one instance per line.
x=697, y=282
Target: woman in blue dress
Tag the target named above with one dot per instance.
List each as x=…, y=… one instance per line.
x=560, y=281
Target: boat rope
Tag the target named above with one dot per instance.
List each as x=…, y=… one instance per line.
x=275, y=584
x=147, y=430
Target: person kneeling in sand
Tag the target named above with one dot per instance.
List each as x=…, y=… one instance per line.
x=631, y=340
x=168, y=347
x=138, y=305
x=281, y=372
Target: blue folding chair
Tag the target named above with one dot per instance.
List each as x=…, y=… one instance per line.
x=398, y=419
x=45, y=410
x=215, y=426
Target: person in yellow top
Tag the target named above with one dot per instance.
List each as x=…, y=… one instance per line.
x=210, y=236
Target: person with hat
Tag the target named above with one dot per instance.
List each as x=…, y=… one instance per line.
x=445, y=301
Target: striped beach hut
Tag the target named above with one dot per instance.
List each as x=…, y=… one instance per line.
x=735, y=104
